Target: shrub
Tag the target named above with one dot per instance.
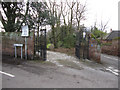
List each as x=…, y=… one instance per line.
x=60, y=43
x=69, y=41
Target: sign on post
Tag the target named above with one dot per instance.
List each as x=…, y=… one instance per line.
x=25, y=33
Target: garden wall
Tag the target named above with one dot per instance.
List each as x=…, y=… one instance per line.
x=8, y=41
x=111, y=48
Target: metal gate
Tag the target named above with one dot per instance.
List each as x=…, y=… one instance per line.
x=40, y=44
x=82, y=44
x=86, y=47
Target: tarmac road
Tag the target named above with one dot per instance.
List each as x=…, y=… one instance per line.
x=35, y=75
x=110, y=62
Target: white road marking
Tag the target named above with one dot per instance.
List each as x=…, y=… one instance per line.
x=112, y=71
x=111, y=58
x=116, y=70
x=7, y=74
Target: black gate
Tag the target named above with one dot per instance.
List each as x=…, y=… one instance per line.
x=82, y=44
x=40, y=44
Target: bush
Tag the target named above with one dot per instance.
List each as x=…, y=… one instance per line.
x=97, y=33
x=69, y=41
x=60, y=43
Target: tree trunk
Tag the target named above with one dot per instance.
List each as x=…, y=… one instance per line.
x=53, y=36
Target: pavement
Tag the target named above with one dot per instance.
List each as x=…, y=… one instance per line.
x=59, y=74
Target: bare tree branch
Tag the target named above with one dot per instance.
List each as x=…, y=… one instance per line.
x=103, y=26
x=80, y=13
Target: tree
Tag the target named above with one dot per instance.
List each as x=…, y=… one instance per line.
x=35, y=14
x=103, y=26
x=98, y=33
x=13, y=12
x=39, y=14
x=79, y=13
x=63, y=12
x=60, y=12
x=53, y=20
x=71, y=6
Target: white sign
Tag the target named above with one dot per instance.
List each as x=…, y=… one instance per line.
x=25, y=31
x=18, y=45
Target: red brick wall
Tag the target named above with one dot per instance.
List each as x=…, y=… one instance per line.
x=8, y=47
x=113, y=49
x=94, y=51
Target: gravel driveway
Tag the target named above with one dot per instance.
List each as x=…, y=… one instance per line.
x=61, y=59
x=64, y=60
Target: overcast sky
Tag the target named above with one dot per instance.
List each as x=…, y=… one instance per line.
x=97, y=10
x=105, y=10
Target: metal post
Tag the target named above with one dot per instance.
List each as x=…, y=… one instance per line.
x=88, y=47
x=45, y=46
x=15, y=52
x=25, y=48
x=80, y=46
x=34, y=42
x=21, y=52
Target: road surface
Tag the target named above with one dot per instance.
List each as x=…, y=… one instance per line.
x=31, y=74
x=30, y=77
x=34, y=74
x=110, y=63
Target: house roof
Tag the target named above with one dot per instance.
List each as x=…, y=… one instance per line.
x=113, y=34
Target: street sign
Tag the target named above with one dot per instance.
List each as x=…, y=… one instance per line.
x=25, y=31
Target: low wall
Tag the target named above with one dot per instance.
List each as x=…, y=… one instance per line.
x=112, y=49
x=8, y=41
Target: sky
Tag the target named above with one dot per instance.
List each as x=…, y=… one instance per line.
x=105, y=10
x=101, y=10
